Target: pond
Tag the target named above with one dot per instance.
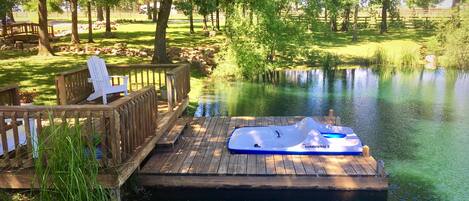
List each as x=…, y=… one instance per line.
x=417, y=122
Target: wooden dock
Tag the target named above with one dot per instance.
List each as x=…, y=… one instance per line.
x=201, y=159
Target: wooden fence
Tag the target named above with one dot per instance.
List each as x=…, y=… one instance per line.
x=23, y=28
x=9, y=95
x=371, y=22
x=73, y=86
x=121, y=127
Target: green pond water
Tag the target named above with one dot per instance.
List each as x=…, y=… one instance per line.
x=417, y=122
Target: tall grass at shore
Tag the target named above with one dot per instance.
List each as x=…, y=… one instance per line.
x=66, y=166
x=403, y=59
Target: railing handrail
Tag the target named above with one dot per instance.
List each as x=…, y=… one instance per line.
x=26, y=27
x=72, y=86
x=123, y=125
x=11, y=90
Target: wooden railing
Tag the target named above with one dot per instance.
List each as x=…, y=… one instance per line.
x=9, y=95
x=73, y=86
x=23, y=28
x=178, y=85
x=122, y=128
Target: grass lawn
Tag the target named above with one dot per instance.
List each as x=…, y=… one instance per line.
x=394, y=42
x=33, y=72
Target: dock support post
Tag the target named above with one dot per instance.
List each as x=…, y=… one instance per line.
x=366, y=151
x=330, y=117
x=115, y=194
x=380, y=169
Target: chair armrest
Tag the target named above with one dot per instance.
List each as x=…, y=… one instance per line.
x=91, y=80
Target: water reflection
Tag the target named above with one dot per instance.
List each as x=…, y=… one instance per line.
x=416, y=121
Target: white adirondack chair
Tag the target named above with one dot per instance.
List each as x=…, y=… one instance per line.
x=102, y=81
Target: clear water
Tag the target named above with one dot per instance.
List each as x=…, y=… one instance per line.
x=417, y=122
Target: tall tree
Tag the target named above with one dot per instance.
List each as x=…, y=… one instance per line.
x=218, y=14
x=5, y=7
x=90, y=23
x=205, y=7
x=347, y=6
x=10, y=14
x=44, y=48
x=355, y=23
x=155, y=10
x=107, y=7
x=384, y=16
x=187, y=8
x=159, y=55
x=148, y=10
x=99, y=13
x=74, y=9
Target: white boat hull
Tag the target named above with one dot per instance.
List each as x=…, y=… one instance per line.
x=305, y=137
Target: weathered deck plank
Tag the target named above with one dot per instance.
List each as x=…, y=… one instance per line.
x=202, y=155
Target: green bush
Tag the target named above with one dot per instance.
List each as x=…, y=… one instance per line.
x=311, y=57
x=453, y=37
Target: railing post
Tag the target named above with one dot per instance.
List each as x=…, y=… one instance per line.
x=169, y=88
x=61, y=91
x=52, y=31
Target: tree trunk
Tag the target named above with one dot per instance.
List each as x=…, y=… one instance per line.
x=325, y=14
x=455, y=3
x=213, y=22
x=333, y=22
x=159, y=55
x=44, y=48
x=218, y=15
x=384, y=17
x=346, y=22
x=191, y=19
x=205, y=22
x=74, y=9
x=355, y=22
x=10, y=15
x=4, y=23
x=155, y=11
x=108, y=21
x=99, y=13
x=90, y=23
x=149, y=10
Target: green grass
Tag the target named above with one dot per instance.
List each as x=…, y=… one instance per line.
x=394, y=43
x=35, y=72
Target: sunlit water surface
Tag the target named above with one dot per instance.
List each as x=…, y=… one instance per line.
x=417, y=122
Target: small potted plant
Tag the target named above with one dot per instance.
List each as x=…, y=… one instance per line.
x=27, y=97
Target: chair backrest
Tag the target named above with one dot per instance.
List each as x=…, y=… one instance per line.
x=98, y=73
